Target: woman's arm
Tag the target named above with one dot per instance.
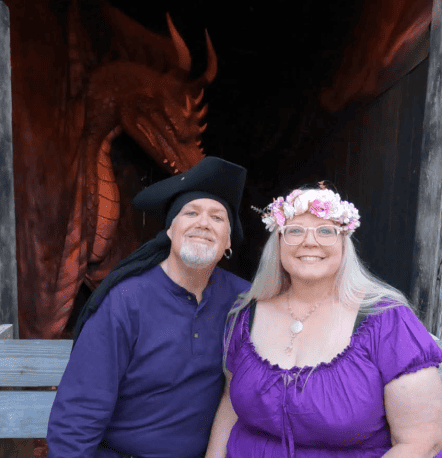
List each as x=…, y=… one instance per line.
x=225, y=418
x=413, y=404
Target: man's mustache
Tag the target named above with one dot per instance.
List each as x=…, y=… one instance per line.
x=201, y=234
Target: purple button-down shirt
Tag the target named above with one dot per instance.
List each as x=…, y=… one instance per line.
x=145, y=376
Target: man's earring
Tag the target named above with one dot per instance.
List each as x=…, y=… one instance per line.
x=228, y=253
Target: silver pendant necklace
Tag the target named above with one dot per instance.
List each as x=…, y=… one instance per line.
x=297, y=325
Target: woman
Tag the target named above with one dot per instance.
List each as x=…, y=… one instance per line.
x=323, y=359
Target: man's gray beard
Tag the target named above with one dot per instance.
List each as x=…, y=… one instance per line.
x=197, y=255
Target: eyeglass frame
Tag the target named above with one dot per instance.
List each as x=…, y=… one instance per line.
x=339, y=229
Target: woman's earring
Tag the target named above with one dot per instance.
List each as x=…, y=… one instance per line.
x=228, y=255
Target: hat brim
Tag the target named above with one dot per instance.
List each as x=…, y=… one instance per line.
x=212, y=175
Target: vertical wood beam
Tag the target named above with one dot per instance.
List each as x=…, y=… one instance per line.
x=8, y=261
x=427, y=246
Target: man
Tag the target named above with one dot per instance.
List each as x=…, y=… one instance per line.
x=145, y=375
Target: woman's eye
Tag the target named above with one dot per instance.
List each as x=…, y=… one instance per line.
x=326, y=231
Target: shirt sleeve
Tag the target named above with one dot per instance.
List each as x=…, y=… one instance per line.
x=88, y=391
x=402, y=344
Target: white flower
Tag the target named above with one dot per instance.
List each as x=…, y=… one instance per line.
x=289, y=210
x=269, y=221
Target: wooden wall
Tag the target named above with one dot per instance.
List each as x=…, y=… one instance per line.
x=8, y=263
x=377, y=149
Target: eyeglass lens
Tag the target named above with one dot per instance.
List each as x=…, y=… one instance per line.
x=324, y=235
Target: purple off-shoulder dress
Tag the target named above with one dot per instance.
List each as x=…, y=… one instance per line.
x=335, y=410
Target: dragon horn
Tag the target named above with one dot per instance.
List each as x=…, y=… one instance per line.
x=184, y=59
x=199, y=98
x=212, y=64
x=200, y=115
x=188, y=110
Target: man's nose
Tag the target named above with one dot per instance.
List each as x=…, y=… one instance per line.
x=203, y=219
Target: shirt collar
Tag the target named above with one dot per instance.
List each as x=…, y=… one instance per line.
x=164, y=281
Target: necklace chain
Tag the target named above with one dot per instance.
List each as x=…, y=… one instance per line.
x=297, y=326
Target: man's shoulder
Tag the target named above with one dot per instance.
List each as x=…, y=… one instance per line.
x=131, y=284
x=228, y=277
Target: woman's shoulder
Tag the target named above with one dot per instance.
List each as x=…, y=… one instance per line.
x=385, y=314
x=390, y=310
x=400, y=343
x=395, y=324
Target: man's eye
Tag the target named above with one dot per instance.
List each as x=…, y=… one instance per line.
x=218, y=218
x=190, y=213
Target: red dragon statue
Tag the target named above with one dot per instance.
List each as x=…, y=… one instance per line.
x=82, y=74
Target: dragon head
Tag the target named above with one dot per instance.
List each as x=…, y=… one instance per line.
x=171, y=122
x=161, y=111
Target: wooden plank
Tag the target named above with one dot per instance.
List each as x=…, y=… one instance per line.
x=33, y=363
x=25, y=414
x=8, y=264
x=427, y=246
x=6, y=331
x=384, y=142
x=406, y=190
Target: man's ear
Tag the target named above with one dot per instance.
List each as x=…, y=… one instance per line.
x=169, y=233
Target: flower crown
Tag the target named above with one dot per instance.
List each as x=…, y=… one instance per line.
x=322, y=203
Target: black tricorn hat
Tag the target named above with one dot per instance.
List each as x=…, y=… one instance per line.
x=211, y=175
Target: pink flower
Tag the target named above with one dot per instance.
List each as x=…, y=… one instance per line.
x=280, y=218
x=276, y=204
x=321, y=209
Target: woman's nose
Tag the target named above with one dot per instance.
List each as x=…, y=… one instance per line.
x=309, y=238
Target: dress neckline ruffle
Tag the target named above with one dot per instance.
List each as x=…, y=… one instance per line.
x=355, y=337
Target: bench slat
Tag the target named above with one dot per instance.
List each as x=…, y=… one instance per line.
x=33, y=362
x=25, y=414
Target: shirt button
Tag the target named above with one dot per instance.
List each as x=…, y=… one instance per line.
x=189, y=297
x=196, y=335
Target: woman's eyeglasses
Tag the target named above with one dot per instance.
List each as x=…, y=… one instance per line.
x=324, y=235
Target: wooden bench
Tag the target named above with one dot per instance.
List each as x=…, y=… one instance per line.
x=27, y=367
x=33, y=365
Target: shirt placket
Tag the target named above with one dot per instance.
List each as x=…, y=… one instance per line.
x=196, y=330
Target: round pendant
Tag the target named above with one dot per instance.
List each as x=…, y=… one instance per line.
x=296, y=327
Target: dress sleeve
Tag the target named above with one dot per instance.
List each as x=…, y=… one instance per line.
x=402, y=344
x=88, y=391
x=232, y=338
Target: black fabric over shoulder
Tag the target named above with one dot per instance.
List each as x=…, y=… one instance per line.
x=252, y=305
x=146, y=257
x=359, y=319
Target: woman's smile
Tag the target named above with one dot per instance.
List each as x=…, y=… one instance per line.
x=310, y=259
